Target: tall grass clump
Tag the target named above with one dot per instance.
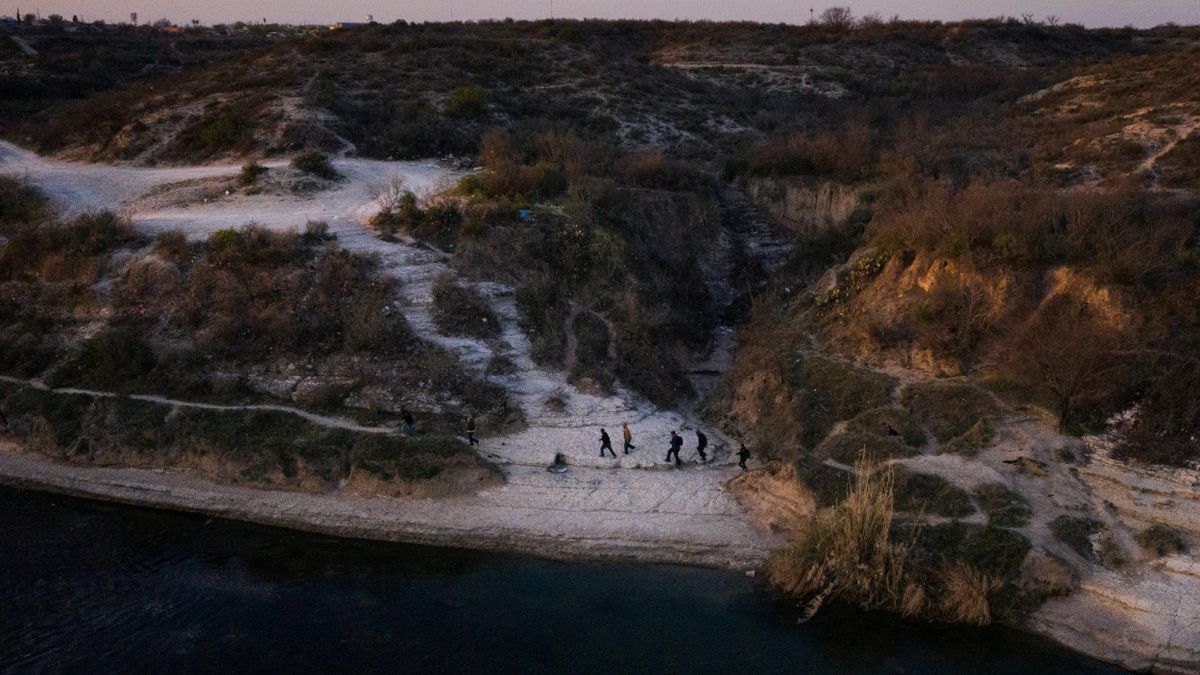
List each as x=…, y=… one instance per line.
x=848, y=552
x=857, y=553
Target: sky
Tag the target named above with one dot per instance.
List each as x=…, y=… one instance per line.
x=1092, y=13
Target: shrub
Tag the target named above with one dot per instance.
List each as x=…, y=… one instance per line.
x=829, y=485
x=1004, y=508
x=112, y=359
x=928, y=493
x=843, y=154
x=890, y=421
x=1076, y=533
x=394, y=457
x=316, y=232
x=254, y=245
x=829, y=391
x=250, y=174
x=93, y=234
x=948, y=409
x=1070, y=355
x=172, y=245
x=317, y=164
x=458, y=310
x=20, y=204
x=847, y=552
x=57, y=251
x=467, y=101
x=557, y=400
x=1159, y=540
x=652, y=169
x=965, y=594
x=847, y=446
x=972, y=440
x=543, y=308
x=1166, y=429
x=995, y=551
x=592, y=344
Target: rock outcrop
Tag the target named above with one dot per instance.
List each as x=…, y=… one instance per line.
x=805, y=205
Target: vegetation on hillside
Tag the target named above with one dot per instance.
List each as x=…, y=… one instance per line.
x=248, y=314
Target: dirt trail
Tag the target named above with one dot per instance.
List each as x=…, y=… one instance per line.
x=1179, y=133
x=319, y=420
x=580, y=503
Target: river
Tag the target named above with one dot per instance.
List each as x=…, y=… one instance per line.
x=99, y=588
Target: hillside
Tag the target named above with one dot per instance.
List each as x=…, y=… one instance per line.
x=941, y=277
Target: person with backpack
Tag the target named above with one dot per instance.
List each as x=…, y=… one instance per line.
x=606, y=444
x=676, y=444
x=628, y=438
x=410, y=425
x=471, y=431
x=743, y=455
x=701, y=444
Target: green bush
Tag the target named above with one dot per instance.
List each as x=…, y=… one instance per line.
x=250, y=174
x=994, y=550
x=948, y=409
x=828, y=391
x=115, y=359
x=458, y=310
x=972, y=440
x=846, y=447
x=1076, y=533
x=172, y=245
x=20, y=204
x=1159, y=540
x=592, y=344
x=467, y=101
x=1004, y=508
x=405, y=458
x=829, y=485
x=889, y=421
x=927, y=493
x=316, y=164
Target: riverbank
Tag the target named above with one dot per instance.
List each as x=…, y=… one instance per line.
x=605, y=523
x=1120, y=633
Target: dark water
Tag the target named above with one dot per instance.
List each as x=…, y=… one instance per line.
x=94, y=588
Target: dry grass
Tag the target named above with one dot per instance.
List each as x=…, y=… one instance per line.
x=1159, y=540
x=965, y=594
x=848, y=552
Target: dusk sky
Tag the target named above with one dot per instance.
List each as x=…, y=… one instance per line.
x=1088, y=12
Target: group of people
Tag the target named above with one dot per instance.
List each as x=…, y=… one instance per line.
x=675, y=446
x=676, y=443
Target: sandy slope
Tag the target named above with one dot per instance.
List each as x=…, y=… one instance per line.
x=673, y=514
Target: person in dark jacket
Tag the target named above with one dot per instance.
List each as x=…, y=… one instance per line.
x=471, y=431
x=676, y=444
x=701, y=444
x=410, y=425
x=743, y=455
x=606, y=444
x=628, y=438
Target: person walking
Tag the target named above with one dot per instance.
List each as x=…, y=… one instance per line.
x=701, y=444
x=628, y=438
x=471, y=431
x=676, y=444
x=743, y=455
x=410, y=425
x=606, y=444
